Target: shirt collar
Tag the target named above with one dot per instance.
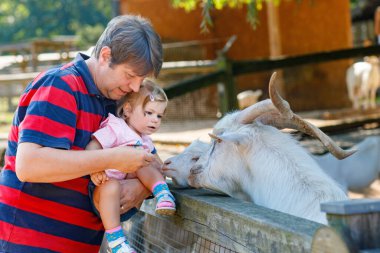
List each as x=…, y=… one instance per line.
x=82, y=68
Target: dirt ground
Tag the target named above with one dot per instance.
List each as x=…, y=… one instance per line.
x=372, y=192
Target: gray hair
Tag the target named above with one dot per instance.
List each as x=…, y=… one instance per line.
x=132, y=40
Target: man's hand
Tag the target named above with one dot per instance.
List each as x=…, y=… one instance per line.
x=128, y=159
x=133, y=193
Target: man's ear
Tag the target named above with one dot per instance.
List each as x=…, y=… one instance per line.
x=105, y=55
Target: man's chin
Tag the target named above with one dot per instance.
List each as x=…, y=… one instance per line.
x=114, y=96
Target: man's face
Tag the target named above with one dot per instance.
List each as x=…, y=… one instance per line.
x=117, y=80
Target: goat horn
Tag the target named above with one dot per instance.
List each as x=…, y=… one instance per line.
x=279, y=121
x=282, y=105
x=249, y=114
x=292, y=120
x=213, y=136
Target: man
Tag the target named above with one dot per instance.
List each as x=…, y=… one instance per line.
x=44, y=203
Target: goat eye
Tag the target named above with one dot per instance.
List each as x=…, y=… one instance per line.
x=196, y=158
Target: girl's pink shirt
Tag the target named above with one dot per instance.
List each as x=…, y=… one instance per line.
x=115, y=132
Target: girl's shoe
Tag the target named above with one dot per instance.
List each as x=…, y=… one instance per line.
x=165, y=203
x=121, y=247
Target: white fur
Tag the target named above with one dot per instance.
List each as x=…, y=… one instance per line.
x=258, y=163
x=357, y=171
x=363, y=79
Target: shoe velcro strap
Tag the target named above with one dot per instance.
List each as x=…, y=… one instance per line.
x=164, y=194
x=116, y=242
x=125, y=246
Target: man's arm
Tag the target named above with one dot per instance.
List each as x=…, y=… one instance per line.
x=35, y=163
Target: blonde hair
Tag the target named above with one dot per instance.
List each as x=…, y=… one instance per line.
x=149, y=91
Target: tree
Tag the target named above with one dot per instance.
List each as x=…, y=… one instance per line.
x=253, y=7
x=22, y=20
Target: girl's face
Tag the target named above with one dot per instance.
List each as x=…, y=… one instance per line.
x=145, y=120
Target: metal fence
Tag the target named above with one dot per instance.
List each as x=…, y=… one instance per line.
x=149, y=234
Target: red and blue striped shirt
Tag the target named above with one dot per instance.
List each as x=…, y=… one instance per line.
x=60, y=108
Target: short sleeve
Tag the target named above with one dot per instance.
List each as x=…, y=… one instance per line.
x=51, y=114
x=107, y=135
x=149, y=144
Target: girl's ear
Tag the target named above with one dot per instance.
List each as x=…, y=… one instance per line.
x=127, y=110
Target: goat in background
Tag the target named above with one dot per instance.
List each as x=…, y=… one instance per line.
x=363, y=79
x=358, y=171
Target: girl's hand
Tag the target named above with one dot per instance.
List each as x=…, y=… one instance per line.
x=99, y=178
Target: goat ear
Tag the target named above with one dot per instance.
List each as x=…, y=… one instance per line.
x=236, y=138
x=218, y=131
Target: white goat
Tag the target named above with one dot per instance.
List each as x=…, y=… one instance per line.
x=358, y=171
x=363, y=79
x=250, y=160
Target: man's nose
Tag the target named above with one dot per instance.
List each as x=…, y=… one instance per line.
x=136, y=83
x=135, y=86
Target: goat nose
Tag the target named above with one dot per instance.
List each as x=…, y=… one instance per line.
x=167, y=162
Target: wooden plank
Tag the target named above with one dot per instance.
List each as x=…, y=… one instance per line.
x=337, y=121
x=326, y=240
x=11, y=78
x=251, y=66
x=238, y=225
x=357, y=221
x=193, y=84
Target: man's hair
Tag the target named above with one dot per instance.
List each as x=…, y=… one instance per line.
x=149, y=91
x=132, y=40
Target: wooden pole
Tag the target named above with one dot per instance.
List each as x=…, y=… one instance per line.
x=357, y=221
x=275, y=46
x=226, y=88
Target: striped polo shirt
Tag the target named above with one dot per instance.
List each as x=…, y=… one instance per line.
x=60, y=108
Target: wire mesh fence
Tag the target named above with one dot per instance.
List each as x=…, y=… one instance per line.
x=149, y=234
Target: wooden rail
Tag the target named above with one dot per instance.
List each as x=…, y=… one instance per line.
x=238, y=225
x=30, y=50
x=12, y=85
x=245, y=227
x=245, y=67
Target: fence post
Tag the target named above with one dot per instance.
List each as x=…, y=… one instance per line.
x=226, y=89
x=357, y=221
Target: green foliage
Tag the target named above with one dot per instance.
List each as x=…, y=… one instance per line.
x=253, y=8
x=22, y=20
x=88, y=35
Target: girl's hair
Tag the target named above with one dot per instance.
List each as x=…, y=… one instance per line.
x=149, y=91
x=132, y=40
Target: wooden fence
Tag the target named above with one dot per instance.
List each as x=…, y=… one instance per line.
x=225, y=224
x=228, y=70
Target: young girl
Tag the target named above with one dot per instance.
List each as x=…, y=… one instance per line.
x=139, y=116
